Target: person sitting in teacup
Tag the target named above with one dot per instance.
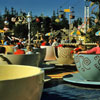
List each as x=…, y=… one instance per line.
x=29, y=49
x=45, y=43
x=19, y=50
x=95, y=50
x=80, y=47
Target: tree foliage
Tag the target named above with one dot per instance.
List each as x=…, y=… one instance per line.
x=44, y=25
x=94, y=26
x=77, y=22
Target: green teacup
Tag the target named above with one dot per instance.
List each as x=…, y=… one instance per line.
x=19, y=82
x=88, y=66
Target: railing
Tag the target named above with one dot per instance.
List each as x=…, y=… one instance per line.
x=75, y=44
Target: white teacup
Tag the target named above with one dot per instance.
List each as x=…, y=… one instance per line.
x=18, y=82
x=50, y=55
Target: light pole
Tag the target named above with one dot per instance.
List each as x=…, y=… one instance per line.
x=86, y=16
x=71, y=16
x=29, y=27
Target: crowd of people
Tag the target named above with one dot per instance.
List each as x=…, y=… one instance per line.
x=81, y=49
x=20, y=45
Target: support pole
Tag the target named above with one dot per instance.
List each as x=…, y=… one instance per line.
x=29, y=28
x=86, y=16
x=69, y=25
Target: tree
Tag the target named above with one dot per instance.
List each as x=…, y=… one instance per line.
x=77, y=22
x=64, y=21
x=36, y=25
x=54, y=16
x=1, y=22
x=97, y=3
x=47, y=24
x=21, y=31
x=94, y=25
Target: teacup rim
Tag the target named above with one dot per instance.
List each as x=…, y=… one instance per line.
x=26, y=66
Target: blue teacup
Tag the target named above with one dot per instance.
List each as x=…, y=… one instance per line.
x=88, y=66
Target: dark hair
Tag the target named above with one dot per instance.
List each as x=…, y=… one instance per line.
x=20, y=46
x=29, y=47
x=98, y=42
x=2, y=50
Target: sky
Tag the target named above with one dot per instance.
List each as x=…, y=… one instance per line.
x=43, y=6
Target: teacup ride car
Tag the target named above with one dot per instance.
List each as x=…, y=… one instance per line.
x=64, y=56
x=35, y=59
x=20, y=82
x=50, y=56
x=42, y=52
x=22, y=59
x=88, y=66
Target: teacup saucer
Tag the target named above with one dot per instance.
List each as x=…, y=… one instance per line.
x=47, y=66
x=76, y=78
x=47, y=78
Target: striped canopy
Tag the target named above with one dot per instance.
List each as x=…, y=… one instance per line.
x=97, y=33
x=77, y=32
x=48, y=34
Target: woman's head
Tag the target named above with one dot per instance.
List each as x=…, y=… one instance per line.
x=81, y=46
x=20, y=46
x=98, y=43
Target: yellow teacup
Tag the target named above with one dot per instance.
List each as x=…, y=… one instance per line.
x=19, y=82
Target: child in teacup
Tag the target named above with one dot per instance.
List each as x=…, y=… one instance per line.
x=29, y=50
x=80, y=47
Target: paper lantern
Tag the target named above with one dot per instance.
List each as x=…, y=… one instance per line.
x=37, y=20
x=6, y=22
x=13, y=19
x=57, y=20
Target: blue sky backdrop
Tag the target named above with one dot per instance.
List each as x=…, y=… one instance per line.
x=43, y=6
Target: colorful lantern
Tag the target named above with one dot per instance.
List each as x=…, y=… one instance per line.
x=37, y=20
x=6, y=22
x=57, y=20
x=97, y=33
x=13, y=19
x=77, y=32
